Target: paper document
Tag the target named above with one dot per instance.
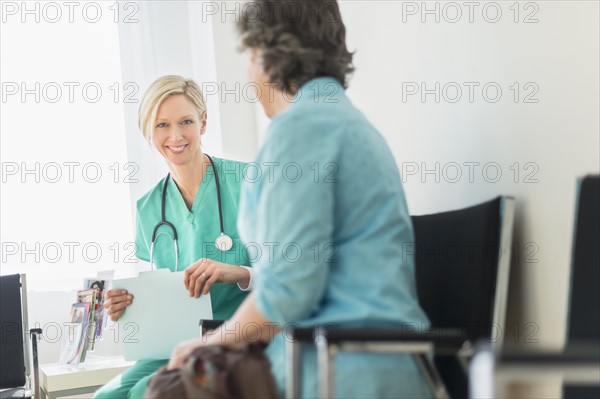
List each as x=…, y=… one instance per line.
x=161, y=315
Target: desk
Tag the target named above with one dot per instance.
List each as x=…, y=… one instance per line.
x=58, y=381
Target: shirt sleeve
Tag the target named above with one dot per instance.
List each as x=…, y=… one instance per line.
x=250, y=281
x=294, y=223
x=142, y=251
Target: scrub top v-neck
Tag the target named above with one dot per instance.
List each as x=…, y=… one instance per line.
x=197, y=229
x=174, y=192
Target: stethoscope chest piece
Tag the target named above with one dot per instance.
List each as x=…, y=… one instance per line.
x=224, y=242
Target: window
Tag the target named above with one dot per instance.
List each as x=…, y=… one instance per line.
x=65, y=198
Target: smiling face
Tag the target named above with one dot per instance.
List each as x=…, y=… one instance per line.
x=177, y=130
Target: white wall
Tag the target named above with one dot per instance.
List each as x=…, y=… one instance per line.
x=558, y=135
x=237, y=102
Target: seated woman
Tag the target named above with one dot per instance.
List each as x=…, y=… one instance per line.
x=172, y=116
x=336, y=208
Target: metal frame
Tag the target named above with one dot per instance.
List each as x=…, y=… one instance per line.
x=507, y=214
x=293, y=369
x=30, y=358
x=491, y=377
x=34, y=332
x=326, y=352
x=572, y=373
x=419, y=350
x=25, y=318
x=325, y=366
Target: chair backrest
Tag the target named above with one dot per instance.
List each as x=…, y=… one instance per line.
x=12, y=339
x=584, y=314
x=462, y=267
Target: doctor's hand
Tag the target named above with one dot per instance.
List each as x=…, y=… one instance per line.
x=200, y=276
x=116, y=301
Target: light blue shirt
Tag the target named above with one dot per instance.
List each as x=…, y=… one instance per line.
x=330, y=225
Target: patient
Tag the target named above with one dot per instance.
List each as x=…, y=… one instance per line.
x=337, y=210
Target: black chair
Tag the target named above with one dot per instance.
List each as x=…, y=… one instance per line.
x=207, y=325
x=462, y=269
x=584, y=315
x=578, y=364
x=15, y=362
x=462, y=272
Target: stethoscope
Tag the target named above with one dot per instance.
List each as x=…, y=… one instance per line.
x=223, y=241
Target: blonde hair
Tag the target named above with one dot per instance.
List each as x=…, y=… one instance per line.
x=158, y=91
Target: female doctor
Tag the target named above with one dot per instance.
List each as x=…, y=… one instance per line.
x=187, y=219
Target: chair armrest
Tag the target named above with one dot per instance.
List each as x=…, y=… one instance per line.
x=577, y=364
x=35, y=331
x=444, y=339
x=400, y=340
x=209, y=325
x=578, y=354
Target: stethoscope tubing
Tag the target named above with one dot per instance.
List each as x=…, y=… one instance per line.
x=165, y=222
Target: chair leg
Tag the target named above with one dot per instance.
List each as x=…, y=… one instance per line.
x=293, y=369
x=325, y=353
x=432, y=376
x=36, y=371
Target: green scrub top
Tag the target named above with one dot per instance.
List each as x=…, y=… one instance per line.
x=196, y=230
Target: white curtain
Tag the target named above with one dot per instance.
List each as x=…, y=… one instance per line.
x=196, y=40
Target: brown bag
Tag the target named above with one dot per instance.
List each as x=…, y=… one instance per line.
x=216, y=372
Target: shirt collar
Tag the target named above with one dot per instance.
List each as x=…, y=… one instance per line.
x=316, y=88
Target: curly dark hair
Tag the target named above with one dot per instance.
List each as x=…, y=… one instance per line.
x=300, y=40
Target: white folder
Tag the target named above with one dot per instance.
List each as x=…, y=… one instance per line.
x=161, y=315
